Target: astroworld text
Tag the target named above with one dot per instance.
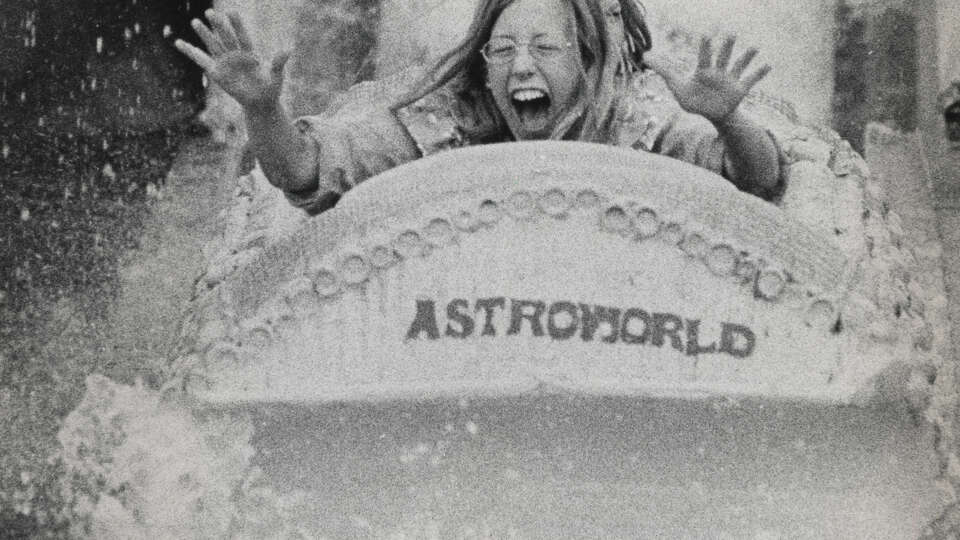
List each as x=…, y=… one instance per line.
x=564, y=320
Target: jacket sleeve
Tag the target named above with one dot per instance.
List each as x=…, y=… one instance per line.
x=358, y=136
x=350, y=149
x=651, y=120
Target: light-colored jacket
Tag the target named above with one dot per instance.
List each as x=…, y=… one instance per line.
x=360, y=135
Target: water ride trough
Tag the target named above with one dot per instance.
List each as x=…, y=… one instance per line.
x=557, y=267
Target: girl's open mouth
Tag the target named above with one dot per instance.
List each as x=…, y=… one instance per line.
x=532, y=107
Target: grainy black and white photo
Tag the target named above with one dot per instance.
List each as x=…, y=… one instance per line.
x=479, y=269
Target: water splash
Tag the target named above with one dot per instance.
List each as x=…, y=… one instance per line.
x=139, y=465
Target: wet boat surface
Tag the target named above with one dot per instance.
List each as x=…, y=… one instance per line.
x=576, y=467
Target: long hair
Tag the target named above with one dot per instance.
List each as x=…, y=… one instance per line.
x=636, y=34
x=465, y=71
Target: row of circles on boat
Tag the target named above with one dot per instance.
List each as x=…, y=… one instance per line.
x=637, y=223
x=640, y=224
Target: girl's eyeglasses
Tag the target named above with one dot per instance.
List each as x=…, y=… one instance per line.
x=503, y=50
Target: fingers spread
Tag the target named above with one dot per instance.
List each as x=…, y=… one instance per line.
x=725, y=52
x=241, y=31
x=224, y=30
x=741, y=64
x=199, y=57
x=752, y=80
x=207, y=36
x=706, y=52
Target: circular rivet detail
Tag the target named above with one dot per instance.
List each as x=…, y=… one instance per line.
x=820, y=315
x=439, y=232
x=647, y=223
x=410, y=244
x=520, y=204
x=326, y=283
x=554, y=202
x=465, y=221
x=355, y=270
x=382, y=257
x=671, y=233
x=746, y=270
x=489, y=212
x=222, y=355
x=770, y=284
x=587, y=199
x=615, y=219
x=258, y=336
x=694, y=245
x=722, y=260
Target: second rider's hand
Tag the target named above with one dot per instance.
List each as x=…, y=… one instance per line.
x=232, y=62
x=714, y=90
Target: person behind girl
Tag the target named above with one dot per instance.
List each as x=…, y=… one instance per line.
x=527, y=70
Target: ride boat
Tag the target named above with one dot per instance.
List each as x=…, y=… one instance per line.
x=561, y=267
x=463, y=334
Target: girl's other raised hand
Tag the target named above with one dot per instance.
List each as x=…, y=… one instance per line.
x=232, y=62
x=716, y=87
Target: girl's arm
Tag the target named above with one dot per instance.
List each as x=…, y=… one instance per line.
x=751, y=153
x=287, y=156
x=715, y=92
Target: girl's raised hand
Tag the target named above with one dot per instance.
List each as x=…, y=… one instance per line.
x=714, y=90
x=232, y=62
